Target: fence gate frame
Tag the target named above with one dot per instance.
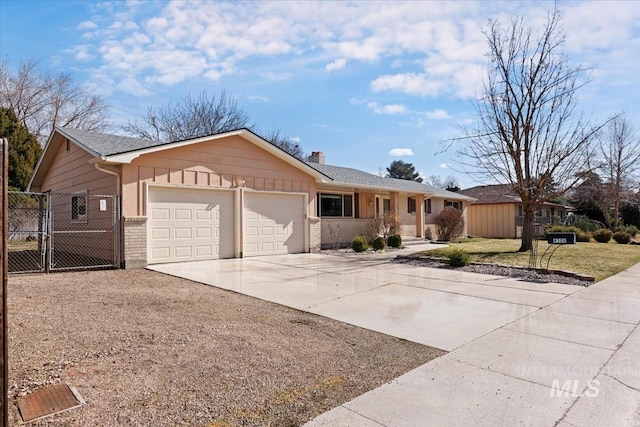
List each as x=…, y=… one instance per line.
x=55, y=225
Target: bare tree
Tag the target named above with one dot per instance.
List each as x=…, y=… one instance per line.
x=436, y=181
x=207, y=114
x=190, y=118
x=292, y=147
x=620, y=150
x=528, y=134
x=43, y=100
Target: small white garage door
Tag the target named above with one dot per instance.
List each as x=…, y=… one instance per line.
x=189, y=225
x=273, y=223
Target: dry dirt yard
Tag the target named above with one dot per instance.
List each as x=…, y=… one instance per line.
x=144, y=349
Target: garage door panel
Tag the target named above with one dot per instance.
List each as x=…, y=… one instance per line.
x=187, y=225
x=273, y=223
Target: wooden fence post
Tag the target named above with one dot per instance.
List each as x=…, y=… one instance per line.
x=4, y=266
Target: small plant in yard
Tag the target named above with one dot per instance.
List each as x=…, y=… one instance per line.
x=458, y=258
x=631, y=229
x=449, y=224
x=374, y=225
x=378, y=243
x=602, y=235
x=622, y=237
x=359, y=244
x=395, y=241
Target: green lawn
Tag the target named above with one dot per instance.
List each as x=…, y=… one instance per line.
x=599, y=260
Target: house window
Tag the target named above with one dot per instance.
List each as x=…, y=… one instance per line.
x=455, y=205
x=411, y=204
x=336, y=205
x=68, y=145
x=520, y=212
x=79, y=207
x=427, y=206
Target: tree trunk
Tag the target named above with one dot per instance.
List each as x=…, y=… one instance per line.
x=527, y=229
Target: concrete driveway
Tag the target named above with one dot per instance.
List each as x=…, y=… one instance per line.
x=440, y=308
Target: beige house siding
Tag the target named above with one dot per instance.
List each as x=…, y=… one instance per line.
x=492, y=220
x=223, y=163
x=71, y=172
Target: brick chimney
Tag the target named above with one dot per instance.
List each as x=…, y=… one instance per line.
x=316, y=157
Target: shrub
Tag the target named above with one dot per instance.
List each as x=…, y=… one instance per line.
x=395, y=241
x=602, y=235
x=622, y=237
x=631, y=229
x=582, y=236
x=374, y=225
x=385, y=225
x=378, y=243
x=458, y=258
x=359, y=244
x=449, y=224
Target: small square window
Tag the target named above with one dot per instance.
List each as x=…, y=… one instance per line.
x=79, y=207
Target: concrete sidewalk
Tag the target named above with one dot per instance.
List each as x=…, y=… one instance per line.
x=574, y=362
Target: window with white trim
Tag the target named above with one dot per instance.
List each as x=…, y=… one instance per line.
x=335, y=205
x=79, y=207
x=427, y=206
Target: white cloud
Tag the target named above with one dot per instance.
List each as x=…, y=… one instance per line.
x=87, y=26
x=258, y=98
x=432, y=50
x=400, y=152
x=443, y=166
x=387, y=109
x=338, y=64
x=410, y=83
x=357, y=101
x=295, y=139
x=437, y=114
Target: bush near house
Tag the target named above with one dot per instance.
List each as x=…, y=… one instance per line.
x=458, y=258
x=359, y=244
x=395, y=241
x=622, y=237
x=631, y=229
x=602, y=235
x=378, y=243
x=449, y=224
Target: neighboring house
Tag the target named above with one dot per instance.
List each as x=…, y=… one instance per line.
x=497, y=212
x=228, y=195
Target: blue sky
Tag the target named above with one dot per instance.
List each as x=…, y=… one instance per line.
x=364, y=82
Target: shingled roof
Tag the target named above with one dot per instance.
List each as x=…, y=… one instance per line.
x=103, y=144
x=358, y=178
x=118, y=148
x=492, y=194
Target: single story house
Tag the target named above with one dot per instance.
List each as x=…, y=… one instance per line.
x=497, y=212
x=227, y=195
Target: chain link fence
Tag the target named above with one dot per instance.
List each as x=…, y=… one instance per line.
x=62, y=231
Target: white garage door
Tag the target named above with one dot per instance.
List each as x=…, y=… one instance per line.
x=189, y=225
x=273, y=224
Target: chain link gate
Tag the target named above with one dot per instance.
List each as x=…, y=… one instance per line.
x=62, y=231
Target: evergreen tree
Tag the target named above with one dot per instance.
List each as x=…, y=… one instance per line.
x=24, y=149
x=403, y=170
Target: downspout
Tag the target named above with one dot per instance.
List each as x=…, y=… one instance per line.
x=118, y=213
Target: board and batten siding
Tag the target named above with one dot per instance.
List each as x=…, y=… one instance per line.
x=222, y=163
x=70, y=172
x=492, y=220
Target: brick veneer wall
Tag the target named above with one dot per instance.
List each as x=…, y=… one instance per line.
x=135, y=242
